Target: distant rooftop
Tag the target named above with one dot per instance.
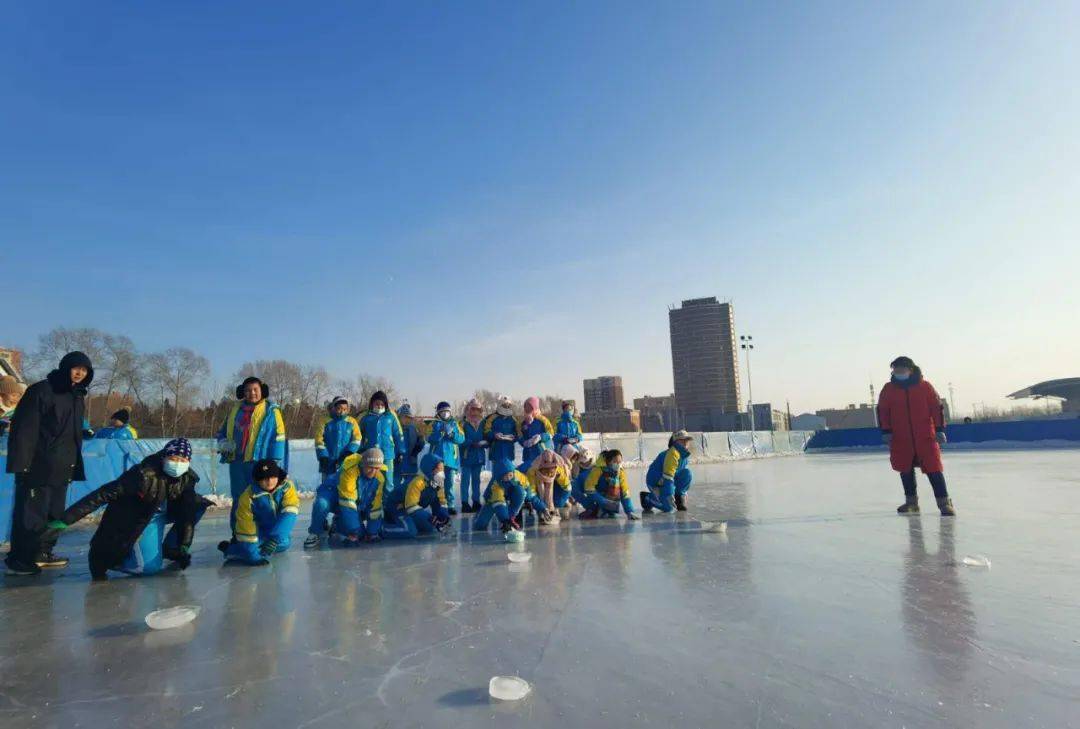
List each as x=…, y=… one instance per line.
x=1067, y=388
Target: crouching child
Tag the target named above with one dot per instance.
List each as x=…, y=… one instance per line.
x=360, y=497
x=264, y=517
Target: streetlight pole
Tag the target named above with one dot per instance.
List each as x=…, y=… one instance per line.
x=748, y=346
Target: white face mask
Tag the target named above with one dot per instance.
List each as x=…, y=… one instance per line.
x=504, y=411
x=378, y=410
x=444, y=415
x=438, y=480
x=175, y=469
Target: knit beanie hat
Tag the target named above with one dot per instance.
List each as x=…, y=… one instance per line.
x=122, y=415
x=177, y=447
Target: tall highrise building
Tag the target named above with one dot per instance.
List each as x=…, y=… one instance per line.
x=604, y=393
x=704, y=359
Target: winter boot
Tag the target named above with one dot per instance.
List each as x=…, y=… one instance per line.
x=946, y=507
x=680, y=502
x=312, y=541
x=48, y=560
x=646, y=507
x=19, y=568
x=591, y=513
x=910, y=506
x=476, y=507
x=223, y=546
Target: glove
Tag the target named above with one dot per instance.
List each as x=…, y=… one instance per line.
x=226, y=447
x=573, y=441
x=632, y=516
x=886, y=438
x=268, y=547
x=503, y=436
x=941, y=438
x=482, y=444
x=532, y=441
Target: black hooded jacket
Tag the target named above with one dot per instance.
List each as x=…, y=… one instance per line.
x=131, y=501
x=46, y=432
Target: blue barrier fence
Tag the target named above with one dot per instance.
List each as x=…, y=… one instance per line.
x=1063, y=432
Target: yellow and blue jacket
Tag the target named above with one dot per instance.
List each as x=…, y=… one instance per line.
x=261, y=515
x=125, y=432
x=540, y=426
x=496, y=492
x=608, y=485
x=360, y=496
x=337, y=436
x=445, y=438
x=666, y=465
x=501, y=425
x=383, y=431
x=568, y=428
x=421, y=493
x=267, y=434
x=562, y=477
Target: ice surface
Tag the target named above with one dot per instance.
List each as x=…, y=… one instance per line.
x=819, y=607
x=173, y=617
x=508, y=688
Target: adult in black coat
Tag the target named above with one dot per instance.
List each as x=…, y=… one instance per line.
x=163, y=479
x=45, y=454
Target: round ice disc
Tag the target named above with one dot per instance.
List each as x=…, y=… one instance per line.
x=172, y=617
x=508, y=688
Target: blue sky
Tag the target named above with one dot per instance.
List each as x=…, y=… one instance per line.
x=438, y=191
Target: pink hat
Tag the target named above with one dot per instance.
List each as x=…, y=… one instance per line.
x=551, y=459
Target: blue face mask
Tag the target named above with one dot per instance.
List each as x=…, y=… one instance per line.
x=901, y=378
x=175, y=469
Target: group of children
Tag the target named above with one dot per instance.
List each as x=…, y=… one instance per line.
x=152, y=509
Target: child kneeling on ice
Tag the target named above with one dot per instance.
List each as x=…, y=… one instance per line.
x=131, y=536
x=504, y=496
x=419, y=508
x=582, y=467
x=606, y=489
x=264, y=516
x=360, y=497
x=549, y=478
x=669, y=476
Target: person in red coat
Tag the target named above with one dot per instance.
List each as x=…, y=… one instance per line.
x=912, y=424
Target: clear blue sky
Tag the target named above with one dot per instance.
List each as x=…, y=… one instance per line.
x=430, y=191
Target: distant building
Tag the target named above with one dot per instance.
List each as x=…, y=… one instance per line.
x=1067, y=390
x=622, y=420
x=11, y=363
x=808, y=421
x=658, y=414
x=604, y=393
x=705, y=365
x=768, y=418
x=861, y=416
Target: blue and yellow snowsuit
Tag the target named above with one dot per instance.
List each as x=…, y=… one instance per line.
x=265, y=438
x=124, y=432
x=668, y=474
x=567, y=431
x=607, y=490
x=325, y=503
x=472, y=461
x=412, y=434
x=264, y=518
x=337, y=438
x=445, y=440
x=414, y=507
x=383, y=431
x=540, y=426
x=505, y=494
x=505, y=425
x=561, y=491
x=360, y=499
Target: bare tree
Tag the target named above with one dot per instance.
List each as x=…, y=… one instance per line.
x=368, y=385
x=178, y=372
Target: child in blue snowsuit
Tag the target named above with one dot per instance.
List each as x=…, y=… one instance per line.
x=606, y=489
x=474, y=455
x=503, y=498
x=380, y=427
x=568, y=429
x=445, y=440
x=419, y=508
x=264, y=517
x=360, y=494
x=669, y=476
x=501, y=431
x=583, y=465
x=338, y=438
x=412, y=437
x=536, y=432
x=323, y=506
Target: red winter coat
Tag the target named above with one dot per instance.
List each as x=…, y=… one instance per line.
x=912, y=413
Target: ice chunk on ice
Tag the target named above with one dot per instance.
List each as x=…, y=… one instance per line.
x=508, y=688
x=519, y=556
x=976, y=560
x=514, y=536
x=173, y=617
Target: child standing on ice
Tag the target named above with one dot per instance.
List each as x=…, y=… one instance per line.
x=669, y=476
x=337, y=438
x=568, y=429
x=536, y=432
x=473, y=457
x=501, y=431
x=445, y=441
x=412, y=438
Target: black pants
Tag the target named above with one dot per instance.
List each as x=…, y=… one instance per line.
x=937, y=482
x=36, y=504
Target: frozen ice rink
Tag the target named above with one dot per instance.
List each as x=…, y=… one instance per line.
x=819, y=607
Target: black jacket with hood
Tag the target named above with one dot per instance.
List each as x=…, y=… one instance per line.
x=46, y=433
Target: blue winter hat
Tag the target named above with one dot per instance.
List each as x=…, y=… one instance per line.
x=177, y=447
x=405, y=410
x=428, y=463
x=501, y=467
x=442, y=406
